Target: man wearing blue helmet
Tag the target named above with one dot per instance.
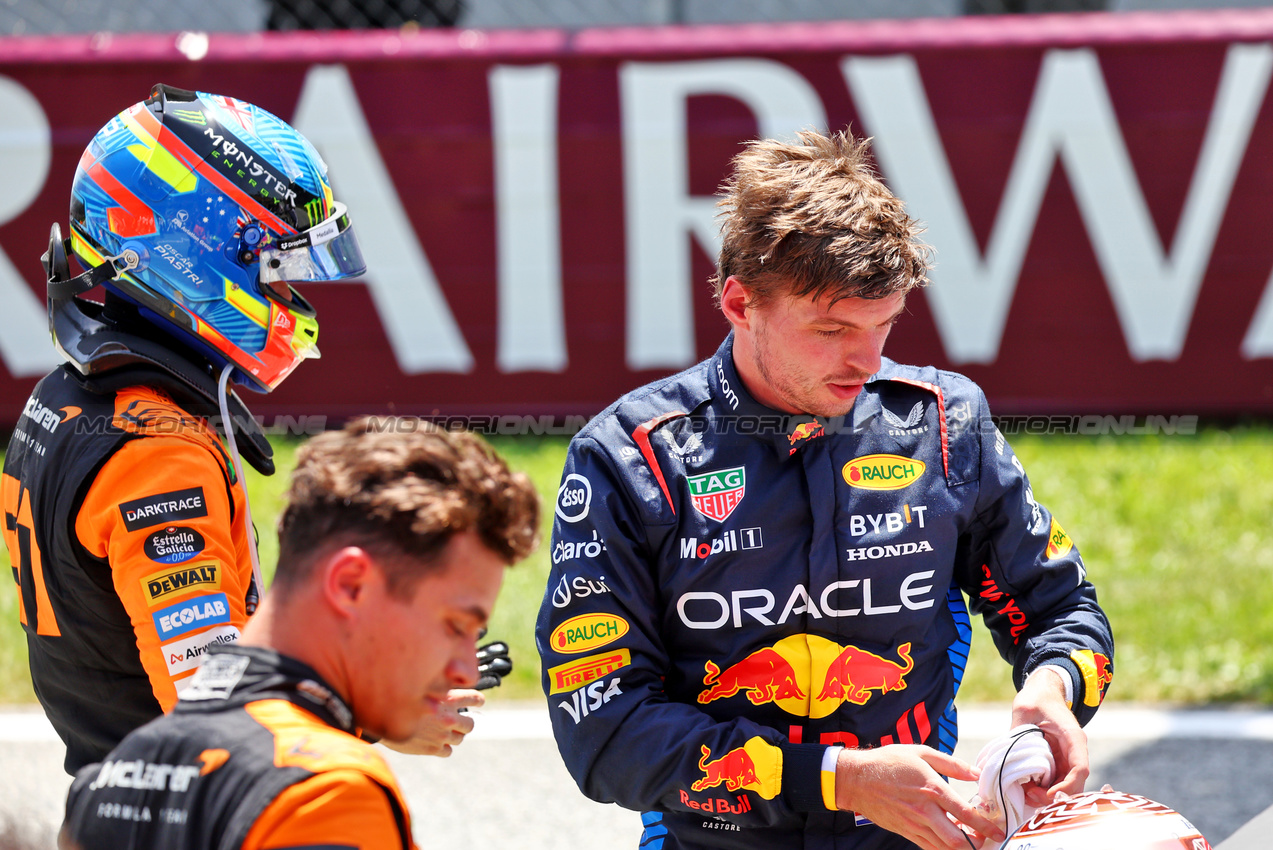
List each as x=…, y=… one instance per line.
x=126, y=515
x=127, y=521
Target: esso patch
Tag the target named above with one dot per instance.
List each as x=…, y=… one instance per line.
x=1107, y=820
x=174, y=545
x=574, y=498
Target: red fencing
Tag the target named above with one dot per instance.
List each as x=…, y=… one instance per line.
x=537, y=211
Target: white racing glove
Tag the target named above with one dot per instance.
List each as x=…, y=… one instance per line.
x=1007, y=763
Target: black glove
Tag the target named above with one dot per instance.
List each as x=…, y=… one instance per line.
x=493, y=664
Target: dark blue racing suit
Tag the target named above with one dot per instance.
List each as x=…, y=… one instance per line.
x=734, y=590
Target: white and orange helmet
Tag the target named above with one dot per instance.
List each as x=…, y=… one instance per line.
x=1106, y=820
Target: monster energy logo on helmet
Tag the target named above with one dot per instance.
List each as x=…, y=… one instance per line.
x=248, y=166
x=244, y=166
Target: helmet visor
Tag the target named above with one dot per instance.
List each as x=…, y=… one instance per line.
x=327, y=251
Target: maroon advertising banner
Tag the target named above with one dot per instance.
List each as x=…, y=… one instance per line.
x=538, y=216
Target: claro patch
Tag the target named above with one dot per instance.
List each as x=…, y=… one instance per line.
x=159, y=587
x=164, y=508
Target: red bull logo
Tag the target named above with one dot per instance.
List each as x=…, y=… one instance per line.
x=1104, y=673
x=803, y=432
x=808, y=676
x=856, y=672
x=718, y=805
x=1098, y=673
x=765, y=675
x=755, y=766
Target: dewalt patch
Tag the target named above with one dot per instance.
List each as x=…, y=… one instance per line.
x=166, y=585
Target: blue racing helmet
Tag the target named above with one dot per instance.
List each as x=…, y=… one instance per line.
x=203, y=210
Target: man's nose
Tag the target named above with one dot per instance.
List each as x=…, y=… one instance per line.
x=462, y=669
x=864, y=353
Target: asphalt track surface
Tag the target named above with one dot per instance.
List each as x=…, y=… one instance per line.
x=506, y=786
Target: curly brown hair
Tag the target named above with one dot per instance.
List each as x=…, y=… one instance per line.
x=811, y=218
x=401, y=488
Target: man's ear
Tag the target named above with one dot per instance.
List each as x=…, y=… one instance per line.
x=734, y=298
x=346, y=577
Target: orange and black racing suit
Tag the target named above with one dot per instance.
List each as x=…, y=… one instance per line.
x=128, y=539
x=258, y=754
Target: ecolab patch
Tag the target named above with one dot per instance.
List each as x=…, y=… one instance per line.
x=175, y=544
x=164, y=509
x=185, y=654
x=716, y=494
x=191, y=614
x=158, y=586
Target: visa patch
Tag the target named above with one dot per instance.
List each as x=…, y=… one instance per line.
x=158, y=586
x=191, y=614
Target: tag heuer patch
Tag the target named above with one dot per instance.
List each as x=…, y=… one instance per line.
x=716, y=494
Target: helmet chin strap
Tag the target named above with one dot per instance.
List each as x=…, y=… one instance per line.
x=254, y=593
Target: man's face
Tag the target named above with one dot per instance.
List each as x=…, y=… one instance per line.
x=412, y=651
x=804, y=356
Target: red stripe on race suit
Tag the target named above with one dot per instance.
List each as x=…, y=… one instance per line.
x=641, y=436
x=941, y=417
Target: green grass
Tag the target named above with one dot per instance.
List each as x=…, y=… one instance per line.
x=1176, y=535
x=1175, y=531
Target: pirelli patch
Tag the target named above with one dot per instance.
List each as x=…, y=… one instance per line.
x=164, y=509
x=165, y=585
